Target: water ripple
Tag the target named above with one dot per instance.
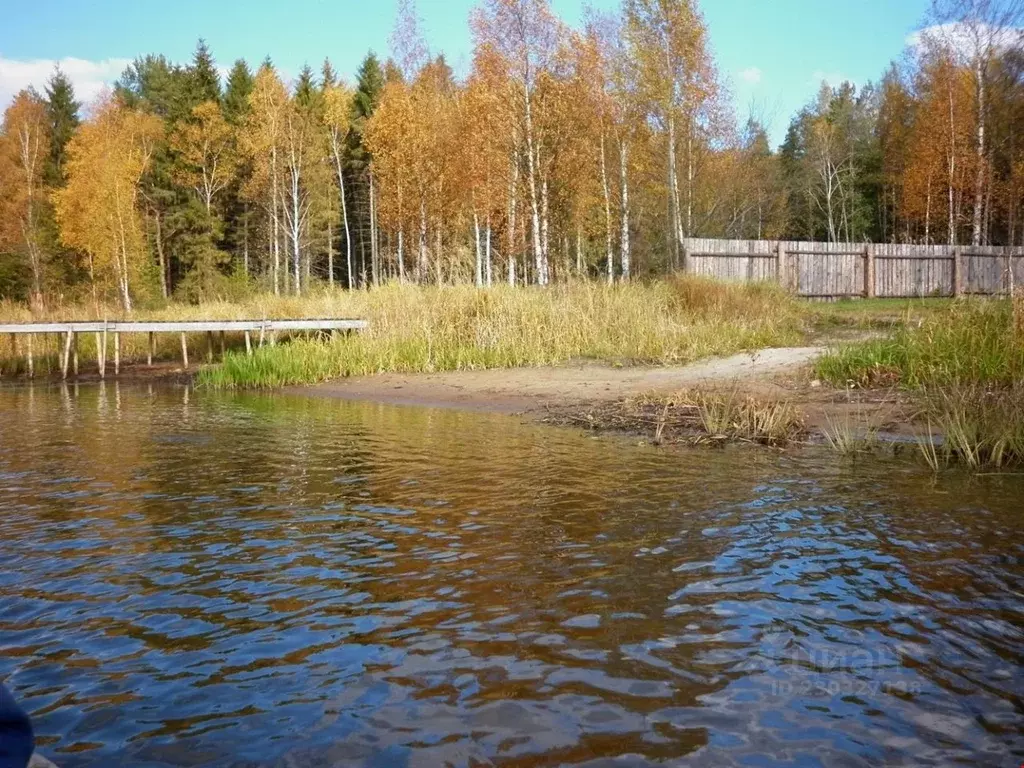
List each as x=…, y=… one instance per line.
x=264, y=581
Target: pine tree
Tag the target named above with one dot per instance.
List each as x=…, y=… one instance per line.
x=204, y=82
x=62, y=110
x=236, y=94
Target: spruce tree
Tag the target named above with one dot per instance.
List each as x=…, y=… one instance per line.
x=204, y=82
x=62, y=110
x=305, y=88
x=369, y=84
x=328, y=76
x=236, y=94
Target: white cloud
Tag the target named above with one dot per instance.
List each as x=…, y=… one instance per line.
x=88, y=77
x=966, y=38
x=751, y=75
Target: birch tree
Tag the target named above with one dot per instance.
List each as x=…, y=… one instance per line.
x=526, y=34
x=24, y=150
x=98, y=211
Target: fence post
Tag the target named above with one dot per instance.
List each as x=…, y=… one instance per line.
x=869, y=271
x=958, y=269
x=780, y=265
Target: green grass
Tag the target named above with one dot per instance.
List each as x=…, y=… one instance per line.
x=970, y=342
x=451, y=328
x=966, y=364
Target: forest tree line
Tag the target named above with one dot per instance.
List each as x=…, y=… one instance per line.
x=563, y=152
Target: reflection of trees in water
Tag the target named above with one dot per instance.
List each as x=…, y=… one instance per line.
x=208, y=549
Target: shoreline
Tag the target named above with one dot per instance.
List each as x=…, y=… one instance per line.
x=523, y=391
x=610, y=399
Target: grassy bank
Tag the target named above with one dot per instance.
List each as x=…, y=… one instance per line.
x=966, y=366
x=462, y=328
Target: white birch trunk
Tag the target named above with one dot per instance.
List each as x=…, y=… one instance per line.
x=609, y=252
x=479, y=253
x=624, y=253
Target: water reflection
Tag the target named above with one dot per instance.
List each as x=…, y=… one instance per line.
x=192, y=579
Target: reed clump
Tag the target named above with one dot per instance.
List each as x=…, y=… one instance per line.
x=694, y=416
x=966, y=366
x=976, y=426
x=447, y=328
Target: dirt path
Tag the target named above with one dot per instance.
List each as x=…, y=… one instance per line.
x=521, y=390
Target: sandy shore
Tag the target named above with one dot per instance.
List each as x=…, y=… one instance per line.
x=526, y=390
x=577, y=394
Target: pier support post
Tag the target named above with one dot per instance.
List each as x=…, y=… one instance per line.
x=263, y=330
x=184, y=351
x=74, y=354
x=248, y=344
x=117, y=353
x=209, y=346
x=221, y=340
x=101, y=352
x=67, y=355
x=31, y=362
x=152, y=349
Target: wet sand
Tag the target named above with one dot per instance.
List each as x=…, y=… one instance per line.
x=528, y=390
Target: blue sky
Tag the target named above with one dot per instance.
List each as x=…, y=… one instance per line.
x=774, y=53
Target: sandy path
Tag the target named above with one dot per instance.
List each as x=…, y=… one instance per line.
x=518, y=390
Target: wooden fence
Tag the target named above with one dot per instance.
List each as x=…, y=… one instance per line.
x=838, y=270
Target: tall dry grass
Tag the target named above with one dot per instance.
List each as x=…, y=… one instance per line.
x=461, y=327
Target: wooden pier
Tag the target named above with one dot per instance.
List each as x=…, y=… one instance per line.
x=266, y=331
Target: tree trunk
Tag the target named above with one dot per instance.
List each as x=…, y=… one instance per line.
x=374, y=252
x=336, y=147
x=951, y=165
x=479, y=253
x=624, y=253
x=487, y=253
x=979, y=177
x=160, y=254
x=273, y=216
x=330, y=254
x=609, y=253
x=545, y=274
x=401, y=254
x=421, y=265
x=512, y=205
x=531, y=167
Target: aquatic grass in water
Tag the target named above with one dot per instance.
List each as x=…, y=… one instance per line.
x=463, y=328
x=695, y=416
x=966, y=364
x=979, y=426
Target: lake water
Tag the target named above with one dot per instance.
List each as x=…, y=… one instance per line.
x=189, y=579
